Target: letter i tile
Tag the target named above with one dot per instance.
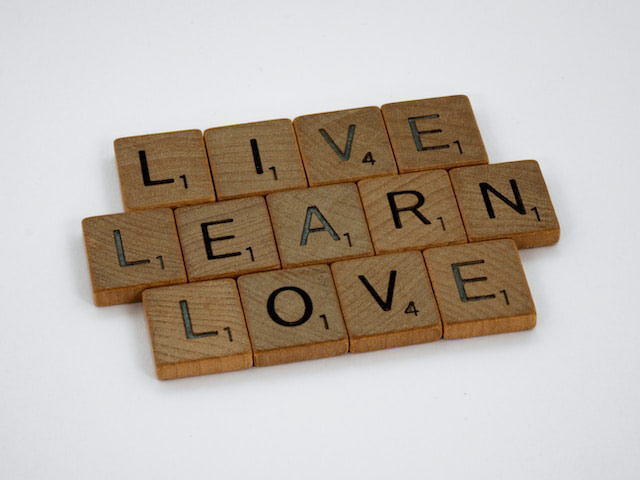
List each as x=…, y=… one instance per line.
x=480, y=288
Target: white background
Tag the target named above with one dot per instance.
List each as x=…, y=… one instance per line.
x=556, y=81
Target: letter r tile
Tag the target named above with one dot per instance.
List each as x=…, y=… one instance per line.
x=480, y=288
x=319, y=224
x=293, y=315
x=163, y=170
x=434, y=133
x=411, y=211
x=226, y=238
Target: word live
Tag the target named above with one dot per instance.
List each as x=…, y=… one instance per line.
x=349, y=231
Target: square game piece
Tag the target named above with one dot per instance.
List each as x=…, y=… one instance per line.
x=130, y=252
x=197, y=328
x=387, y=301
x=506, y=200
x=254, y=158
x=227, y=238
x=411, y=211
x=163, y=170
x=434, y=133
x=481, y=288
x=293, y=315
x=319, y=224
x=344, y=146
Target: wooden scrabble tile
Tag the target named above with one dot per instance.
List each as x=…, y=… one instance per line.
x=344, y=146
x=197, y=328
x=227, y=238
x=319, y=224
x=434, y=133
x=411, y=211
x=481, y=288
x=163, y=170
x=293, y=315
x=254, y=158
x=506, y=200
x=387, y=301
x=130, y=252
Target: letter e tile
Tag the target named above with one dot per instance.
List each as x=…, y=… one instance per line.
x=481, y=288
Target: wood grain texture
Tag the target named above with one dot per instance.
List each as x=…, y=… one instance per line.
x=344, y=235
x=130, y=252
x=434, y=133
x=402, y=309
x=197, y=328
x=525, y=214
x=481, y=288
x=238, y=171
x=411, y=211
x=171, y=171
x=226, y=238
x=293, y=330
x=344, y=146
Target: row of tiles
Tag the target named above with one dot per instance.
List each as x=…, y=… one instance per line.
x=356, y=305
x=136, y=250
x=176, y=169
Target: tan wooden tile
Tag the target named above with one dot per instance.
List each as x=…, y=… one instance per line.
x=227, y=238
x=411, y=211
x=293, y=315
x=506, y=200
x=344, y=146
x=130, y=252
x=254, y=158
x=197, y=329
x=481, y=288
x=387, y=301
x=163, y=170
x=319, y=224
x=434, y=133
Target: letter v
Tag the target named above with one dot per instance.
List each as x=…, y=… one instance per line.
x=384, y=304
x=347, y=148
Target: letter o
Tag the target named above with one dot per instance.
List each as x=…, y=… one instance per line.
x=308, y=307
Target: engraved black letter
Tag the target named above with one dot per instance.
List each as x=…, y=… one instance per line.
x=208, y=240
x=485, y=188
x=326, y=227
x=347, y=148
x=416, y=133
x=395, y=211
x=188, y=328
x=146, y=178
x=386, y=304
x=308, y=307
x=461, y=281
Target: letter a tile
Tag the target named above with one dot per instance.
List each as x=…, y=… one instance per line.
x=319, y=224
x=481, y=288
x=434, y=133
x=197, y=328
x=344, y=146
x=227, y=238
x=387, y=301
x=130, y=252
x=506, y=200
x=163, y=170
x=293, y=315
